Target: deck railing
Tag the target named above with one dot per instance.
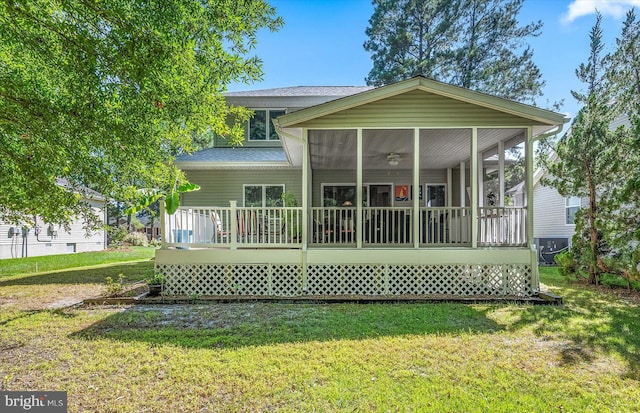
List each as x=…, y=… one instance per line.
x=388, y=226
x=502, y=226
x=234, y=227
x=333, y=225
x=273, y=226
x=443, y=226
x=238, y=227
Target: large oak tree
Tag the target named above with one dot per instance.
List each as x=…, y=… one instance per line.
x=104, y=93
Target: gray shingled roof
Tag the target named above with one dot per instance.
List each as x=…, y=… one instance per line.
x=305, y=91
x=243, y=155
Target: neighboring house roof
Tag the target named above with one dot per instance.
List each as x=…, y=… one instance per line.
x=234, y=157
x=86, y=193
x=517, y=189
x=302, y=91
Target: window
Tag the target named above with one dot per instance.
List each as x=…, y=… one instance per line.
x=336, y=195
x=572, y=205
x=436, y=195
x=261, y=124
x=263, y=195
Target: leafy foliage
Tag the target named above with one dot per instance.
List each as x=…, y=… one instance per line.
x=476, y=44
x=105, y=94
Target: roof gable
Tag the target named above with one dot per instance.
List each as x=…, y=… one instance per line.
x=437, y=95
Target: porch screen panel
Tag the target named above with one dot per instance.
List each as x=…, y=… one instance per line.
x=514, y=171
x=441, y=223
x=333, y=155
x=387, y=165
x=502, y=215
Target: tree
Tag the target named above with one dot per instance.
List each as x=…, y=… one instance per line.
x=105, y=94
x=476, y=44
x=587, y=155
x=622, y=226
x=411, y=37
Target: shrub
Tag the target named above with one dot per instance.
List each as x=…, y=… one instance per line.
x=155, y=279
x=566, y=263
x=117, y=234
x=136, y=239
x=115, y=287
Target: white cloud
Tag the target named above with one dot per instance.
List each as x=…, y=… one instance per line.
x=615, y=8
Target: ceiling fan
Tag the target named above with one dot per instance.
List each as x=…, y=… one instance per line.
x=393, y=159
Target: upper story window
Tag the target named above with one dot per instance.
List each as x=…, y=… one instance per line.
x=572, y=205
x=261, y=124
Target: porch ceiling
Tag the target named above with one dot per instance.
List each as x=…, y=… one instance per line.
x=439, y=148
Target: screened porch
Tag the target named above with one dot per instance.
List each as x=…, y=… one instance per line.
x=369, y=201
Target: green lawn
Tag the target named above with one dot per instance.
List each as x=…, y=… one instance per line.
x=63, y=280
x=583, y=356
x=21, y=266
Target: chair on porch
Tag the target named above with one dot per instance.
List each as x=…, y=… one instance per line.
x=219, y=233
x=322, y=233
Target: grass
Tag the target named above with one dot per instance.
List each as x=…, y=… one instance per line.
x=583, y=356
x=84, y=277
x=32, y=265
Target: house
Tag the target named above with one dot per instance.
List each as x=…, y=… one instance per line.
x=18, y=240
x=385, y=197
x=553, y=217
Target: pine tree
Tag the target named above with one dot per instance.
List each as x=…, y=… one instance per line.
x=622, y=226
x=587, y=156
x=476, y=44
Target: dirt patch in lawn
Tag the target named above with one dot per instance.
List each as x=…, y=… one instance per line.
x=46, y=297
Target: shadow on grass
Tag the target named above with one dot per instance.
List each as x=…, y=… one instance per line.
x=254, y=324
x=591, y=321
x=133, y=271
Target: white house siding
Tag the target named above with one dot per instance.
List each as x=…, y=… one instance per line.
x=549, y=214
x=218, y=187
x=62, y=242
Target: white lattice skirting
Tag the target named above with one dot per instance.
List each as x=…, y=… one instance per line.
x=272, y=280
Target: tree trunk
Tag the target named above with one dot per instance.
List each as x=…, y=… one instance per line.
x=593, y=232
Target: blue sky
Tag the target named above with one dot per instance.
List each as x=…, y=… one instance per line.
x=321, y=43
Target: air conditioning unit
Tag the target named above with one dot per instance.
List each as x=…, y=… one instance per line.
x=548, y=248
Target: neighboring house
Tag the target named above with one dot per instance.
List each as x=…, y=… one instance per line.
x=553, y=217
x=19, y=240
x=388, y=184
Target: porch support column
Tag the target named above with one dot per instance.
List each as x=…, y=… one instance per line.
x=449, y=186
x=535, y=276
x=480, y=179
x=306, y=175
x=501, y=173
x=463, y=172
x=416, y=188
x=474, y=187
x=528, y=153
x=305, y=188
x=163, y=225
x=360, y=224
